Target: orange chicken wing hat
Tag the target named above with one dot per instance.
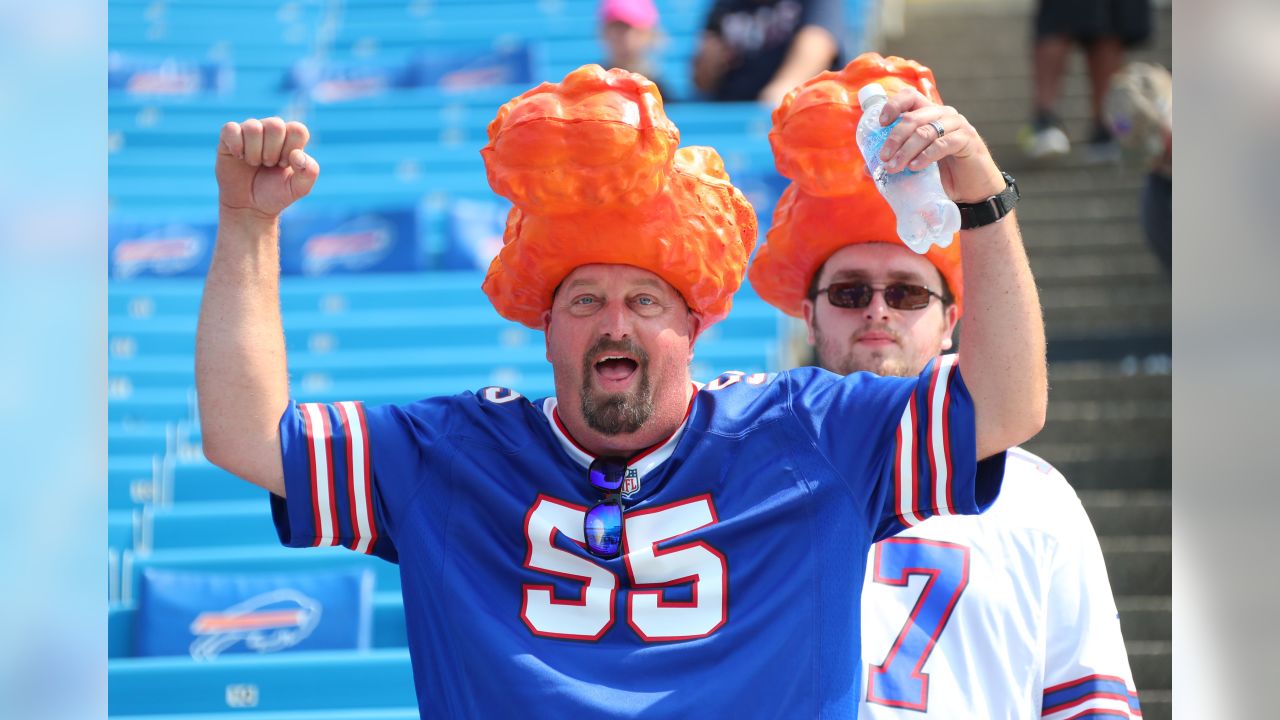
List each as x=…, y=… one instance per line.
x=832, y=201
x=592, y=166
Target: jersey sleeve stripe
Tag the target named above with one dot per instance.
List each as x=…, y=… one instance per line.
x=906, y=468
x=1094, y=692
x=897, y=470
x=936, y=437
x=367, y=470
x=1098, y=713
x=320, y=457
x=950, y=364
x=357, y=475
x=331, y=492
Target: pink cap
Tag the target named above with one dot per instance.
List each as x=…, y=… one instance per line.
x=637, y=13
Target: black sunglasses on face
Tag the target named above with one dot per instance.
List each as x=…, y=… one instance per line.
x=899, y=296
x=602, y=525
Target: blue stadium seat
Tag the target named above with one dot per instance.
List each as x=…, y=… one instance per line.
x=198, y=481
x=406, y=713
x=254, y=558
x=137, y=439
x=120, y=529
x=131, y=480
x=315, y=681
x=388, y=625
x=210, y=523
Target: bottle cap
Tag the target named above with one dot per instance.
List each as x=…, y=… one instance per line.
x=869, y=92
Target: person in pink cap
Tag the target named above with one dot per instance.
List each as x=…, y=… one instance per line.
x=630, y=31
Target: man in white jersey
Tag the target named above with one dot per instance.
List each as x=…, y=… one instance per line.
x=1008, y=614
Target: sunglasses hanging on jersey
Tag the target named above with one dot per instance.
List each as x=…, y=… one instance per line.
x=602, y=525
x=899, y=296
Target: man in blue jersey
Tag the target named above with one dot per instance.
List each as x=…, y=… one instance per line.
x=1008, y=614
x=638, y=545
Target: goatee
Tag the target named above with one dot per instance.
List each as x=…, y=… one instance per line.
x=616, y=413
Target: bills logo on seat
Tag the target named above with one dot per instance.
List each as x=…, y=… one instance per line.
x=354, y=245
x=269, y=622
x=159, y=250
x=337, y=242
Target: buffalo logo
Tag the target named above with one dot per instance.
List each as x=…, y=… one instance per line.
x=169, y=250
x=353, y=245
x=269, y=622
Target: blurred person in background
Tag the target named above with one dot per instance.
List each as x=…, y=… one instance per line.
x=760, y=49
x=1139, y=112
x=1015, y=617
x=1103, y=28
x=630, y=31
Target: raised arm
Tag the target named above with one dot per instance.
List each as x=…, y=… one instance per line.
x=1003, y=353
x=812, y=51
x=241, y=375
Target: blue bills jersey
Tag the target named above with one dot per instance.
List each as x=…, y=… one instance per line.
x=744, y=543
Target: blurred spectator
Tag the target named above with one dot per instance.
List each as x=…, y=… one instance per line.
x=629, y=30
x=1139, y=113
x=761, y=49
x=1104, y=28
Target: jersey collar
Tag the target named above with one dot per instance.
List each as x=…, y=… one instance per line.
x=643, y=461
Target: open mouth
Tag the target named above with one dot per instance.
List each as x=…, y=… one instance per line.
x=616, y=368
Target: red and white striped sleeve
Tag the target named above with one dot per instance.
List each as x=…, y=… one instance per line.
x=934, y=453
x=332, y=495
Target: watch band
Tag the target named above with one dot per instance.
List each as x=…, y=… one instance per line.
x=993, y=209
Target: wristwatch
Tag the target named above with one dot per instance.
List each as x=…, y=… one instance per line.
x=993, y=209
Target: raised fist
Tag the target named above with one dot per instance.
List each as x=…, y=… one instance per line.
x=262, y=168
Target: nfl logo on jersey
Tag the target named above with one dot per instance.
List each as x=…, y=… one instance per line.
x=630, y=483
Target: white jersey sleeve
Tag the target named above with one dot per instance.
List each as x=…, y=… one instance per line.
x=1007, y=614
x=1086, y=671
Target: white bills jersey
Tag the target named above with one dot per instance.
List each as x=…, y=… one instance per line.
x=1008, y=614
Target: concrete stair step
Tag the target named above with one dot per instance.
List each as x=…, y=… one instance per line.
x=1129, y=265
x=1141, y=463
x=1089, y=180
x=965, y=49
x=1138, y=564
x=1095, y=371
x=982, y=112
x=1040, y=204
x=1129, y=512
x=1105, y=432
x=1154, y=292
x=983, y=30
x=1067, y=324
x=1152, y=665
x=1080, y=234
x=1123, y=410
x=1101, y=389
x=1156, y=704
x=1146, y=617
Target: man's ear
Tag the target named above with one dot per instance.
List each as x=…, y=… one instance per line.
x=806, y=306
x=950, y=317
x=696, y=325
x=546, y=332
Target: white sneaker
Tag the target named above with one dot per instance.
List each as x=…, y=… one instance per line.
x=1044, y=144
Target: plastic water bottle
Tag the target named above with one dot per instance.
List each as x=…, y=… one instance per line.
x=926, y=216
